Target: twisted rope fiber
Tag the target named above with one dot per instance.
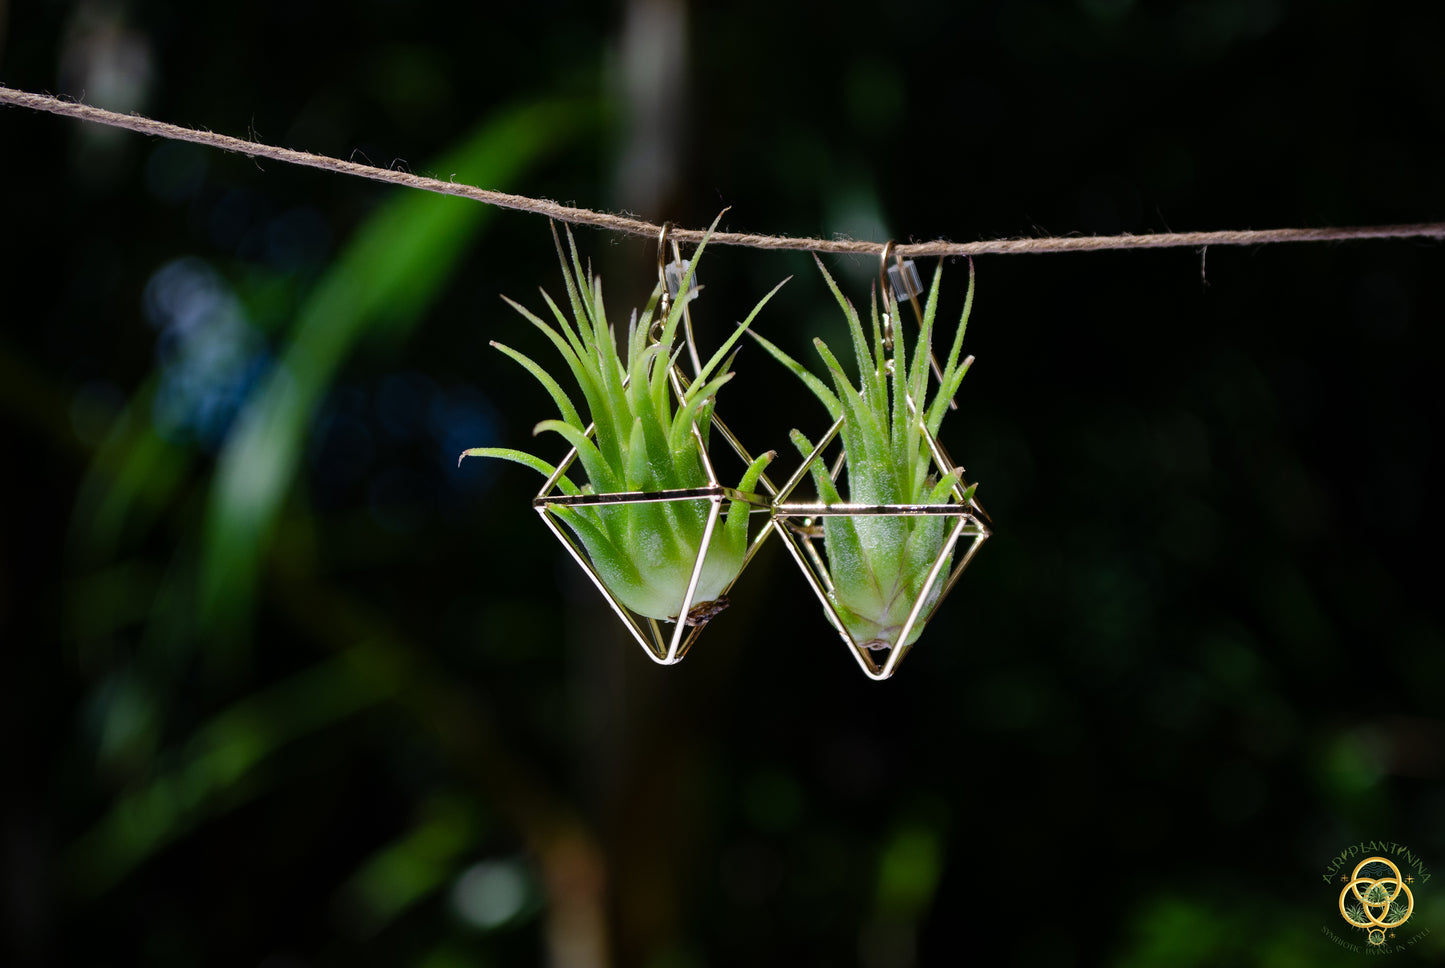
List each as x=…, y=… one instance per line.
x=634, y=226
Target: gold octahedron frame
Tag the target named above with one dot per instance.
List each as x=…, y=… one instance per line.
x=802, y=533
x=660, y=647
x=795, y=522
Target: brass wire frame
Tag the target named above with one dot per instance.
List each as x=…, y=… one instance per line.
x=795, y=522
x=660, y=647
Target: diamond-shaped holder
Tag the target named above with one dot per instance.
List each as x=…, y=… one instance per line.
x=660, y=647
x=802, y=533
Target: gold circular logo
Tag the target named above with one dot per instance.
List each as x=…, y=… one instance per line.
x=1377, y=904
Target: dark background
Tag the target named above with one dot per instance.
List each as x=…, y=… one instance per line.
x=281, y=685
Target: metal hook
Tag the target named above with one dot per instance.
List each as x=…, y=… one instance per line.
x=903, y=276
x=664, y=236
x=883, y=295
x=665, y=303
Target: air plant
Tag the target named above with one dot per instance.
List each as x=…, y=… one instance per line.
x=644, y=432
x=879, y=563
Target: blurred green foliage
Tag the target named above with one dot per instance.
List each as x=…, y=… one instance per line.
x=379, y=285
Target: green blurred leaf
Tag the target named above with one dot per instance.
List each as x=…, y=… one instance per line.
x=222, y=754
x=380, y=284
x=407, y=870
x=132, y=478
x=909, y=870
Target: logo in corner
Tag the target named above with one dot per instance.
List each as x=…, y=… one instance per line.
x=1377, y=897
x=1377, y=904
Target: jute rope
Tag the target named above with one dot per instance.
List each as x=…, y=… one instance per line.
x=634, y=226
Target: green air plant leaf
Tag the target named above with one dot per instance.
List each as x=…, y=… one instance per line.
x=879, y=564
x=643, y=441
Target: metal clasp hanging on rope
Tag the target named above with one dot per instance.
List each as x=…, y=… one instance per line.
x=902, y=279
x=670, y=276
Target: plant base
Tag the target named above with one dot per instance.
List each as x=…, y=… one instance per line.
x=661, y=647
x=801, y=529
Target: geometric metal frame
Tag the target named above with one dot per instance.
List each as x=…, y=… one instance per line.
x=795, y=523
x=660, y=647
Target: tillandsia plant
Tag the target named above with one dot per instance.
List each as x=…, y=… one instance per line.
x=645, y=438
x=879, y=563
